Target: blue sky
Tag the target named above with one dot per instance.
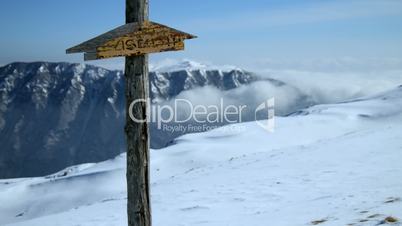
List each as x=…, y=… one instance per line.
x=237, y=32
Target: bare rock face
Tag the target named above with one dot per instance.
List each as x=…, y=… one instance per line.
x=53, y=115
x=57, y=114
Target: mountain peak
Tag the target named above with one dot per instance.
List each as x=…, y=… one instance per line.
x=170, y=65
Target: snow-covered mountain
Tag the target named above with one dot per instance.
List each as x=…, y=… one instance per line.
x=335, y=164
x=168, y=81
x=54, y=115
x=57, y=114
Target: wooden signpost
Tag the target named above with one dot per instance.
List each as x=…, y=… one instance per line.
x=135, y=40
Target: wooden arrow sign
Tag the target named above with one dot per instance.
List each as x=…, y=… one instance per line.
x=132, y=40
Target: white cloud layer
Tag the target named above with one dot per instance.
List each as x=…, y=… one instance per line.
x=331, y=65
x=318, y=81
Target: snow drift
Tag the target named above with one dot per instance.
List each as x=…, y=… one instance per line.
x=335, y=164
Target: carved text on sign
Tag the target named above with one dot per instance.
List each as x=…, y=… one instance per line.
x=133, y=39
x=148, y=39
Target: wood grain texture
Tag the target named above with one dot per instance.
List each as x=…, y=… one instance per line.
x=137, y=138
x=150, y=38
x=137, y=11
x=137, y=133
x=176, y=46
x=133, y=39
x=92, y=44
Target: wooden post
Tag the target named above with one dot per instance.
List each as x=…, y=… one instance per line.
x=137, y=133
x=125, y=41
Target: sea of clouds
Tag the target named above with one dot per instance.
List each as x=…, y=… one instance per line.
x=307, y=82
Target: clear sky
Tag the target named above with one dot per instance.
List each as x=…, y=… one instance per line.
x=237, y=32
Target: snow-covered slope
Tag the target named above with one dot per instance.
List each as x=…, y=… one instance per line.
x=337, y=164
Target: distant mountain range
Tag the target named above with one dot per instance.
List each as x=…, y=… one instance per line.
x=53, y=115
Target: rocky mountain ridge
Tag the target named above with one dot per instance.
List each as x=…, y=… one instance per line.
x=54, y=115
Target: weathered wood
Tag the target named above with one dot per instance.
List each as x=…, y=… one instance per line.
x=137, y=133
x=137, y=11
x=93, y=43
x=150, y=38
x=137, y=137
x=132, y=39
x=90, y=56
x=176, y=46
